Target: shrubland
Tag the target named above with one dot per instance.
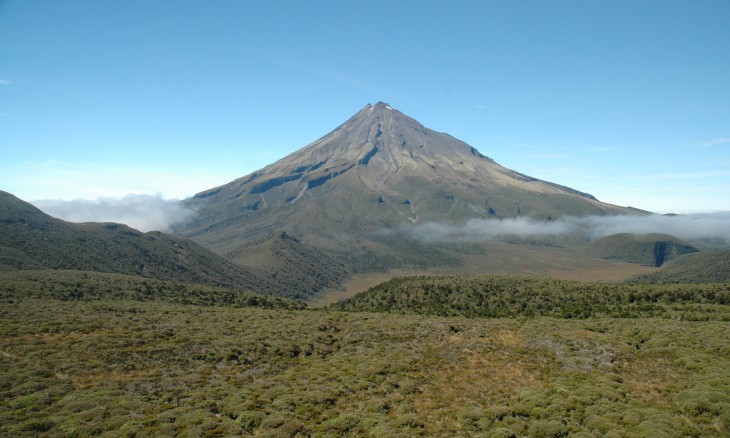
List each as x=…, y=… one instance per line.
x=120, y=364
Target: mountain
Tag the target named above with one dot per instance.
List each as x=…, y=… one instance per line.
x=377, y=173
x=649, y=250
x=31, y=239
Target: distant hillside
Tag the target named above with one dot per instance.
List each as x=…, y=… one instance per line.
x=31, y=239
x=704, y=267
x=648, y=250
x=508, y=297
x=292, y=264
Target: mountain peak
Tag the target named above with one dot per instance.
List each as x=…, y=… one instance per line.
x=380, y=108
x=382, y=105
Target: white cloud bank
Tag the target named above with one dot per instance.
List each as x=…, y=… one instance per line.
x=148, y=213
x=687, y=227
x=142, y=212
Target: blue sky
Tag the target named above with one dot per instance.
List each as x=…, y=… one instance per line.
x=626, y=100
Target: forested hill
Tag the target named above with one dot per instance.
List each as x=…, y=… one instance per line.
x=649, y=249
x=31, y=239
x=506, y=296
x=702, y=267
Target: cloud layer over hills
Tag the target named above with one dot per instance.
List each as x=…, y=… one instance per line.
x=148, y=213
x=688, y=227
x=142, y=212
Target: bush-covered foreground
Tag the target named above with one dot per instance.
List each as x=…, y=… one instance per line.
x=153, y=368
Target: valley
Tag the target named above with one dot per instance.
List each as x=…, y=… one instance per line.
x=502, y=258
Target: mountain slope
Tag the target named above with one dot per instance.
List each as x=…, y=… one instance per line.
x=380, y=170
x=31, y=239
x=291, y=264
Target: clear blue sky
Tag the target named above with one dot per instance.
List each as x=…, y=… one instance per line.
x=627, y=100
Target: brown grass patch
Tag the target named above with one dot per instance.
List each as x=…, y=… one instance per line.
x=643, y=381
x=486, y=371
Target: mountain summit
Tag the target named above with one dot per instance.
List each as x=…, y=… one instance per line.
x=379, y=170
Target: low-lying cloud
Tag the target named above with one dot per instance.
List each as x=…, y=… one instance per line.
x=687, y=227
x=142, y=212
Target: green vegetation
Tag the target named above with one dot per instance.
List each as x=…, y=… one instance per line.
x=517, y=297
x=126, y=368
x=85, y=354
